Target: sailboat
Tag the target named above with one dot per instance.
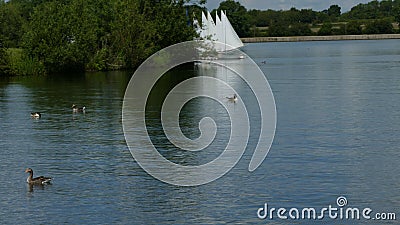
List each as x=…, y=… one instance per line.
x=220, y=31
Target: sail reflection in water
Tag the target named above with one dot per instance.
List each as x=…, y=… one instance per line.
x=212, y=88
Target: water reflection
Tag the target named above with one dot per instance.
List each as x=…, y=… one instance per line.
x=32, y=187
x=337, y=134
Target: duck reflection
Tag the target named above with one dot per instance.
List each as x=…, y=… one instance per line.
x=32, y=187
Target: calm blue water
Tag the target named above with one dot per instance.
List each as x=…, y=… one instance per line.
x=338, y=132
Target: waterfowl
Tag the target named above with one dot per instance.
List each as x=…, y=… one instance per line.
x=233, y=99
x=37, y=180
x=36, y=115
x=76, y=109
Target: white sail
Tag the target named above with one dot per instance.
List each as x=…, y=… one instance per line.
x=219, y=28
x=211, y=27
x=232, y=39
x=217, y=19
x=204, y=31
x=221, y=31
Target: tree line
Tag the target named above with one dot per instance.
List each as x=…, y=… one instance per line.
x=49, y=36
x=375, y=17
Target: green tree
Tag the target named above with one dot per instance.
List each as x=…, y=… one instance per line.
x=142, y=27
x=326, y=29
x=3, y=57
x=396, y=12
x=385, y=8
x=291, y=16
x=237, y=15
x=266, y=18
x=322, y=17
x=277, y=29
x=364, y=11
x=11, y=24
x=307, y=16
x=379, y=27
x=102, y=35
x=299, y=29
x=62, y=36
x=353, y=27
x=334, y=11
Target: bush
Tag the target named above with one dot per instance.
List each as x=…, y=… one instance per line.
x=277, y=30
x=353, y=27
x=99, y=61
x=19, y=63
x=3, y=59
x=379, y=27
x=299, y=29
x=326, y=29
x=2, y=54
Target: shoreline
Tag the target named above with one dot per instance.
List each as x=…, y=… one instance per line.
x=321, y=38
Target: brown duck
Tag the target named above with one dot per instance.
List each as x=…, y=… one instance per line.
x=36, y=180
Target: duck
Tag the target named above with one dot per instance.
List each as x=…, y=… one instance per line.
x=76, y=109
x=37, y=180
x=36, y=115
x=233, y=99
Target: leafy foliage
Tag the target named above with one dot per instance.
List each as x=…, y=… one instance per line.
x=379, y=27
x=328, y=22
x=62, y=36
x=237, y=15
x=373, y=10
x=334, y=11
x=10, y=21
x=58, y=35
x=326, y=29
x=299, y=29
x=396, y=12
x=3, y=58
x=353, y=27
x=81, y=35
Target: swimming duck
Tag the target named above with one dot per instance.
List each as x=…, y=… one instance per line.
x=36, y=115
x=76, y=109
x=233, y=99
x=36, y=180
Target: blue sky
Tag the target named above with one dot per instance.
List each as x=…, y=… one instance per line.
x=317, y=5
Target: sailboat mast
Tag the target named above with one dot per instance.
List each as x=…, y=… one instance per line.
x=224, y=33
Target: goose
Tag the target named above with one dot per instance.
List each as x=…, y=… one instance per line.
x=233, y=99
x=36, y=115
x=76, y=109
x=37, y=180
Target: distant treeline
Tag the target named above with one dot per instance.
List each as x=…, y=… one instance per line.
x=375, y=17
x=49, y=36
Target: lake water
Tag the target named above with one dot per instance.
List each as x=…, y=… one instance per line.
x=338, y=134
